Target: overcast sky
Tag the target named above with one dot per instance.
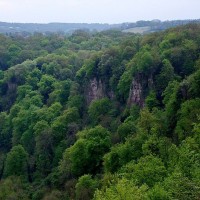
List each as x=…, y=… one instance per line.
x=101, y=11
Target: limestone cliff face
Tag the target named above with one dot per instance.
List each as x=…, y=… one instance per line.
x=135, y=94
x=95, y=90
x=139, y=89
x=150, y=81
x=12, y=87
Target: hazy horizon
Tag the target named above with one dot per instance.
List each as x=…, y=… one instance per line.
x=57, y=22
x=104, y=11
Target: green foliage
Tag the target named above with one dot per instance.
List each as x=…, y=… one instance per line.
x=134, y=112
x=142, y=61
x=45, y=86
x=76, y=101
x=124, y=84
x=157, y=146
x=194, y=84
x=54, y=195
x=61, y=125
x=125, y=129
x=86, y=187
x=21, y=123
x=33, y=78
x=52, y=136
x=98, y=109
x=188, y=114
x=86, y=155
x=122, y=189
x=13, y=54
x=172, y=104
x=148, y=170
x=121, y=154
x=13, y=188
x=187, y=159
x=146, y=121
x=180, y=187
x=116, y=158
x=158, y=193
x=151, y=100
x=5, y=131
x=165, y=76
x=44, y=151
x=16, y=162
x=89, y=68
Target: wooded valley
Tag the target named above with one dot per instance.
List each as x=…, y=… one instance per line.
x=104, y=116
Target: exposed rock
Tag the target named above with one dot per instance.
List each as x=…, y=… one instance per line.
x=184, y=89
x=94, y=91
x=135, y=94
x=111, y=95
x=150, y=82
x=12, y=87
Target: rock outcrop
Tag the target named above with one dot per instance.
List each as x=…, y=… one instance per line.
x=95, y=90
x=135, y=94
x=139, y=89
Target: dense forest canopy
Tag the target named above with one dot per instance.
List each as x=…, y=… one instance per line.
x=103, y=116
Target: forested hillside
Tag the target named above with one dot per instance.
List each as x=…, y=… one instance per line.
x=104, y=116
x=142, y=26
x=30, y=28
